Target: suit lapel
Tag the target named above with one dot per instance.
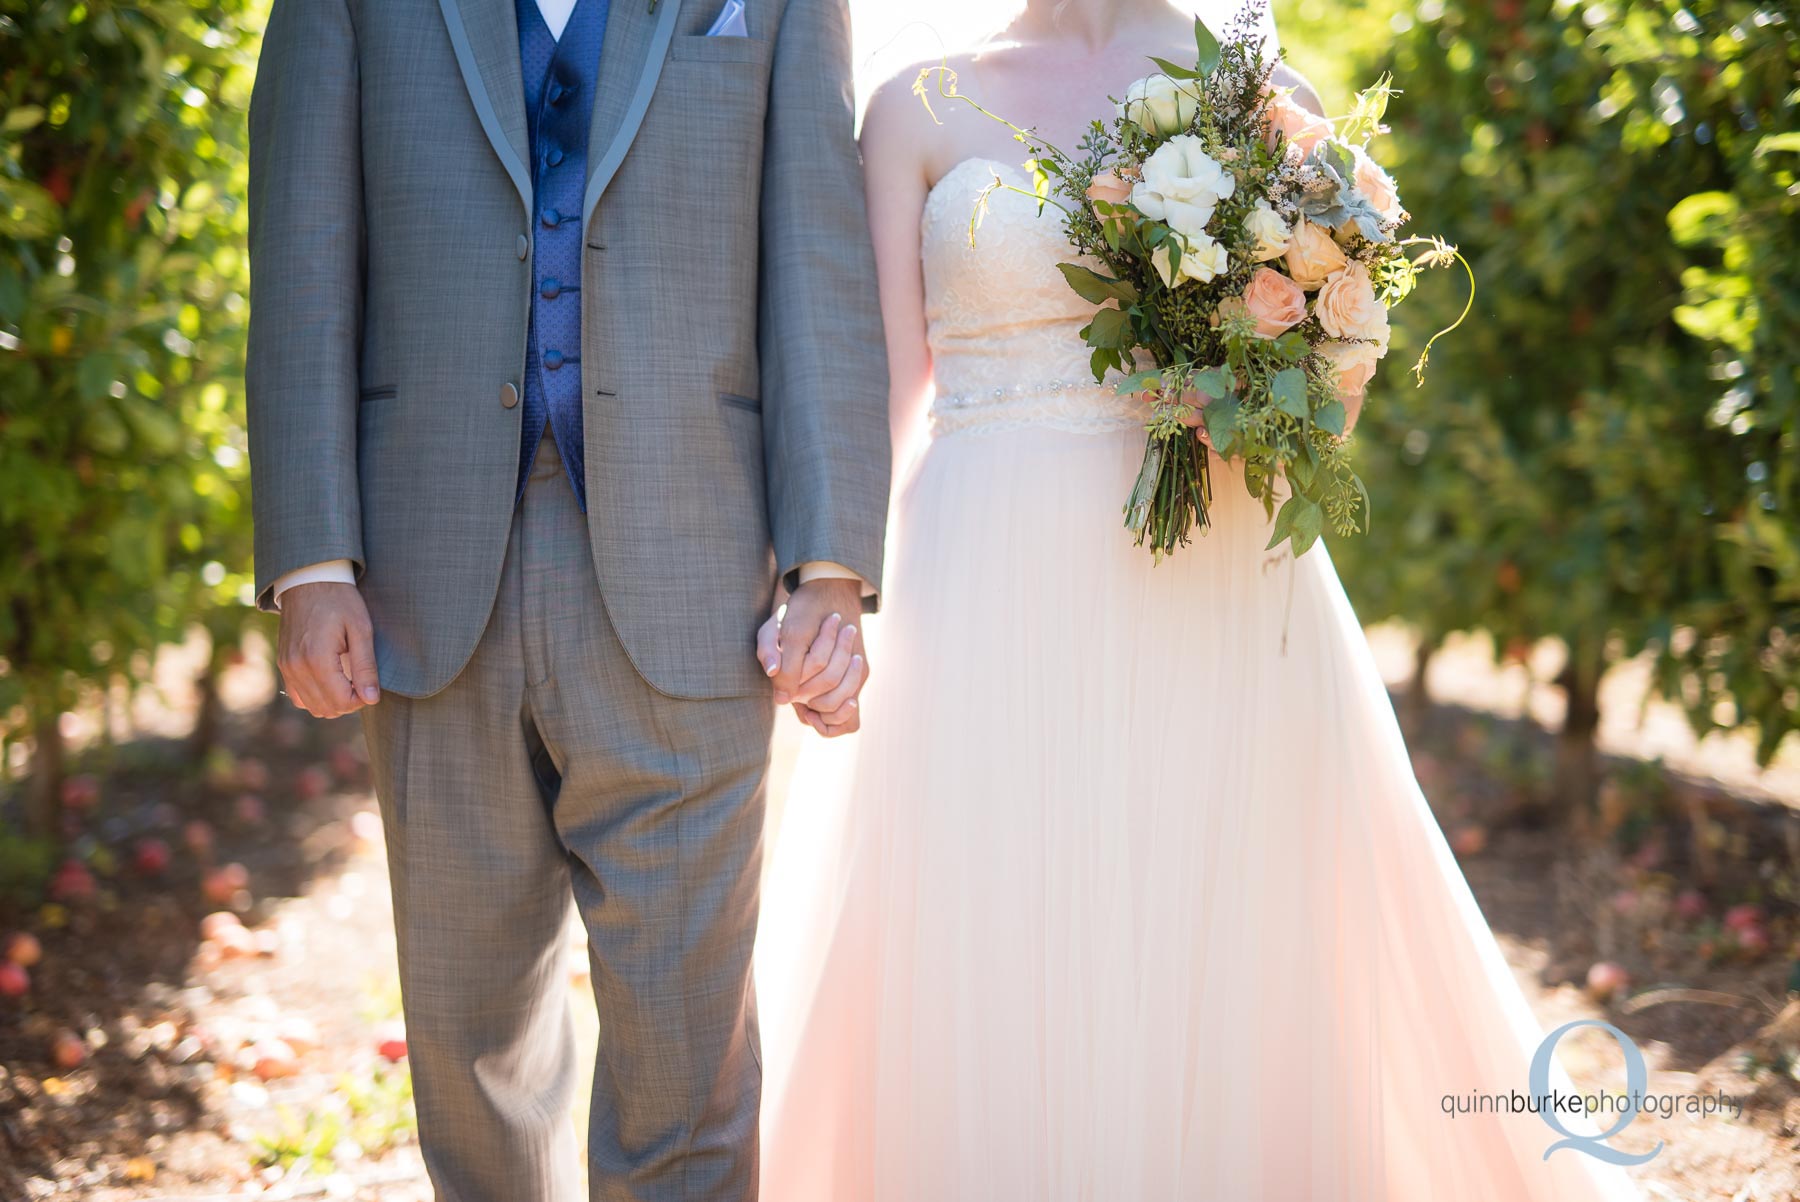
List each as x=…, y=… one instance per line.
x=485, y=36
x=631, y=60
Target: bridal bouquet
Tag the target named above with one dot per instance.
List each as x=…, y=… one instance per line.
x=1244, y=255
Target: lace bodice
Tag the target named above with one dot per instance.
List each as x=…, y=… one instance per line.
x=1001, y=321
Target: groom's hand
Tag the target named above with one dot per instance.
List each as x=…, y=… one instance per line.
x=813, y=654
x=326, y=651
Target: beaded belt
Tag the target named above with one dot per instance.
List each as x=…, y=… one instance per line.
x=1075, y=407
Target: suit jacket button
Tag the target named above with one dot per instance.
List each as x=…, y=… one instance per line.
x=524, y=246
x=509, y=395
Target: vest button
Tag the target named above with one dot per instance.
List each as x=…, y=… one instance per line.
x=553, y=156
x=552, y=289
x=509, y=395
x=524, y=247
x=552, y=361
x=551, y=218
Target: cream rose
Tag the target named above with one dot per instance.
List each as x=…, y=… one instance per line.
x=1274, y=302
x=1108, y=187
x=1378, y=186
x=1160, y=104
x=1312, y=256
x=1202, y=259
x=1271, y=233
x=1301, y=128
x=1348, y=308
x=1182, y=185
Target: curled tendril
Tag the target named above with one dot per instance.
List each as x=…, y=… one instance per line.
x=1439, y=253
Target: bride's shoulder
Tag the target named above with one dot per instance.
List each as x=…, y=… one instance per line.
x=906, y=114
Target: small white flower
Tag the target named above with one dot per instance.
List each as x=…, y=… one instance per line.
x=1182, y=185
x=1271, y=233
x=1202, y=259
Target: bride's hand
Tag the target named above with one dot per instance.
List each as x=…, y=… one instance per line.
x=1195, y=419
x=831, y=674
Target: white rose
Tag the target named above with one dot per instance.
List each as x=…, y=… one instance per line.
x=1161, y=105
x=1202, y=259
x=1182, y=185
x=1271, y=233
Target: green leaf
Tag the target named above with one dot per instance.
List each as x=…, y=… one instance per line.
x=1221, y=418
x=1288, y=391
x=1139, y=382
x=1208, y=47
x=1703, y=218
x=1783, y=141
x=1173, y=71
x=1110, y=329
x=1215, y=382
x=1099, y=361
x=1330, y=417
x=1095, y=288
x=22, y=118
x=1293, y=346
x=1300, y=518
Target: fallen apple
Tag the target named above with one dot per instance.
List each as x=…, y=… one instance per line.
x=72, y=882
x=1606, y=978
x=273, y=1058
x=1690, y=905
x=68, y=1050
x=151, y=857
x=14, y=980
x=1469, y=840
x=1742, y=916
x=24, y=949
x=81, y=792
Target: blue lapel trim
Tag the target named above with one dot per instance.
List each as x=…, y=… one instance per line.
x=500, y=36
x=619, y=25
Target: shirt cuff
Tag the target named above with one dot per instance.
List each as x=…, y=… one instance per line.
x=332, y=571
x=824, y=569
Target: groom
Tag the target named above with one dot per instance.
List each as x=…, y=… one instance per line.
x=565, y=349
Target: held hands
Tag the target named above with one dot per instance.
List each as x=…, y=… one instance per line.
x=813, y=655
x=326, y=651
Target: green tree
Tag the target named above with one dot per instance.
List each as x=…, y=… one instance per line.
x=123, y=481
x=1606, y=452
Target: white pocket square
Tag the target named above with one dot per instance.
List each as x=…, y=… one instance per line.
x=730, y=23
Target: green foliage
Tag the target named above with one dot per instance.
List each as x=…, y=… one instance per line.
x=123, y=473
x=1607, y=451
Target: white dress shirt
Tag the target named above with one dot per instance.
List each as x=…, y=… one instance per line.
x=339, y=571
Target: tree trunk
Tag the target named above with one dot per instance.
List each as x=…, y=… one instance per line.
x=43, y=799
x=1577, y=778
x=206, y=722
x=1417, y=703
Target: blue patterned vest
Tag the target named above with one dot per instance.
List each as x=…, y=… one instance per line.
x=560, y=77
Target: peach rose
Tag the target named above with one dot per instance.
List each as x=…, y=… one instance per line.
x=1378, y=186
x=1354, y=362
x=1108, y=187
x=1301, y=128
x=1274, y=302
x=1348, y=308
x=1312, y=256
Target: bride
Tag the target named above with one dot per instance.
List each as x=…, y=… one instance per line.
x=1127, y=892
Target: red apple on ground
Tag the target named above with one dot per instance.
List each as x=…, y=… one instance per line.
x=14, y=980
x=392, y=1042
x=222, y=885
x=273, y=1059
x=1605, y=979
x=1470, y=840
x=68, y=1050
x=81, y=792
x=253, y=774
x=72, y=882
x=24, y=949
x=151, y=857
x=1741, y=917
x=311, y=783
x=198, y=836
x=249, y=809
x=1690, y=905
x=346, y=765
x=1752, y=941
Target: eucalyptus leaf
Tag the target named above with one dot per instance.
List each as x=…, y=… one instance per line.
x=1208, y=47
x=1288, y=390
x=1095, y=288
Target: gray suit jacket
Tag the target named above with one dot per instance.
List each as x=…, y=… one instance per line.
x=732, y=361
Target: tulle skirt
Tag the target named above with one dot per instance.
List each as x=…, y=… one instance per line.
x=1126, y=891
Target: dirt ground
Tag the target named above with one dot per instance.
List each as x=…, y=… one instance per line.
x=270, y=1063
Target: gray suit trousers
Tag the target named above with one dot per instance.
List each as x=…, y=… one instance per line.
x=548, y=770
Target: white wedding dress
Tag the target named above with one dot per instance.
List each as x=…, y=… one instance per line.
x=1126, y=891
